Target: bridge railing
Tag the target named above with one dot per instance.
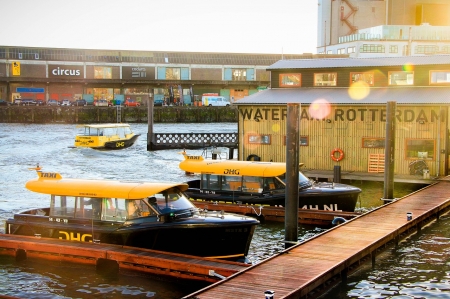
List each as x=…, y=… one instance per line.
x=161, y=141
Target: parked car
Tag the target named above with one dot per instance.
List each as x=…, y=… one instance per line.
x=65, y=102
x=40, y=103
x=16, y=101
x=101, y=103
x=79, y=102
x=52, y=102
x=4, y=103
x=158, y=102
x=131, y=103
x=28, y=102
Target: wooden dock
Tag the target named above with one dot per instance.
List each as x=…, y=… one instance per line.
x=307, y=268
x=110, y=259
x=270, y=213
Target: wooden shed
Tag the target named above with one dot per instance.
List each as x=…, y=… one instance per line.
x=343, y=118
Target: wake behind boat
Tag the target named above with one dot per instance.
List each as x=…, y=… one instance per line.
x=255, y=182
x=148, y=215
x=106, y=136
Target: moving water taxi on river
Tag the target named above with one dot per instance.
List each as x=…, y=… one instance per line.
x=256, y=182
x=106, y=136
x=150, y=215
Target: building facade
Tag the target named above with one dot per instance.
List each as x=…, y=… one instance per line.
x=176, y=77
x=343, y=113
x=363, y=28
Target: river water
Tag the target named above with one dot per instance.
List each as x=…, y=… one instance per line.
x=418, y=268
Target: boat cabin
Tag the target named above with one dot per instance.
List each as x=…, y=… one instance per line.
x=243, y=176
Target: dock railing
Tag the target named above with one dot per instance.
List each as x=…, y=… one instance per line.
x=161, y=141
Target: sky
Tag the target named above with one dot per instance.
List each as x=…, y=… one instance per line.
x=229, y=26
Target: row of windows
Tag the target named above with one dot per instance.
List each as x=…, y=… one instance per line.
x=394, y=78
x=141, y=56
x=414, y=148
x=378, y=48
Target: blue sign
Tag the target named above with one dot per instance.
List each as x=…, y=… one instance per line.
x=30, y=89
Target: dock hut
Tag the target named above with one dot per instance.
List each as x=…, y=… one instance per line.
x=343, y=113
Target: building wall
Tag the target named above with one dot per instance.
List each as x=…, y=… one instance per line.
x=344, y=130
x=381, y=75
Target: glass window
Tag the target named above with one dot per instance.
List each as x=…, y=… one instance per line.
x=439, y=77
x=426, y=49
x=290, y=80
x=365, y=77
x=351, y=50
x=371, y=48
x=239, y=74
x=259, y=139
x=420, y=149
x=173, y=73
x=101, y=72
x=393, y=49
x=401, y=78
x=325, y=79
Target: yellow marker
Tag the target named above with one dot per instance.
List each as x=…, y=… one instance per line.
x=16, y=68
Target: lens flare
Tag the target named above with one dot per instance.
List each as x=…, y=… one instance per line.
x=359, y=90
x=276, y=128
x=319, y=109
x=408, y=67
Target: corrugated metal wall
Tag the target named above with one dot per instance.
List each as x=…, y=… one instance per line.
x=344, y=127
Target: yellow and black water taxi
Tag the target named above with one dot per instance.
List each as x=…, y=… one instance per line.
x=148, y=215
x=106, y=136
x=256, y=182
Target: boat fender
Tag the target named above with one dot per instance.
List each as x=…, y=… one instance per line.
x=253, y=157
x=338, y=158
x=338, y=220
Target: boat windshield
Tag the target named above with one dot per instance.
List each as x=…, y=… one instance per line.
x=303, y=181
x=170, y=201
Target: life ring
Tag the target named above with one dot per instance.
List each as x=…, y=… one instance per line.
x=340, y=157
x=253, y=157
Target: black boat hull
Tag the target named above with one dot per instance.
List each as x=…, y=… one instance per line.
x=325, y=196
x=121, y=143
x=210, y=236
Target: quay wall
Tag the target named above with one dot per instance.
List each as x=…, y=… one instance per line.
x=90, y=114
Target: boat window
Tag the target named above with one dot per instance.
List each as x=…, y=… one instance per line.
x=127, y=130
x=62, y=206
x=113, y=209
x=272, y=184
x=110, y=131
x=210, y=182
x=231, y=183
x=88, y=208
x=121, y=132
x=252, y=184
x=137, y=208
x=303, y=181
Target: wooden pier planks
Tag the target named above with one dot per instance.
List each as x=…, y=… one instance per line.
x=130, y=258
x=299, y=270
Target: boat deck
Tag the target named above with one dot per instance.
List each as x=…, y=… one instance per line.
x=335, y=252
x=107, y=257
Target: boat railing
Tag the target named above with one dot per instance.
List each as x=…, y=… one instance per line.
x=193, y=140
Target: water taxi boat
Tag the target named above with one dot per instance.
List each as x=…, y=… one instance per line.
x=156, y=216
x=256, y=182
x=106, y=136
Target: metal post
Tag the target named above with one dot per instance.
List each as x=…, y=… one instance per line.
x=292, y=168
x=389, y=152
x=150, y=119
x=337, y=174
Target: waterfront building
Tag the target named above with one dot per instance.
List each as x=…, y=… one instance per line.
x=116, y=75
x=343, y=113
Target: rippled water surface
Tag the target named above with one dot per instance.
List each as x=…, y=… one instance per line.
x=419, y=268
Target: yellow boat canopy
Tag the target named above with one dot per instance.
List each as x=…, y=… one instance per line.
x=53, y=183
x=197, y=164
